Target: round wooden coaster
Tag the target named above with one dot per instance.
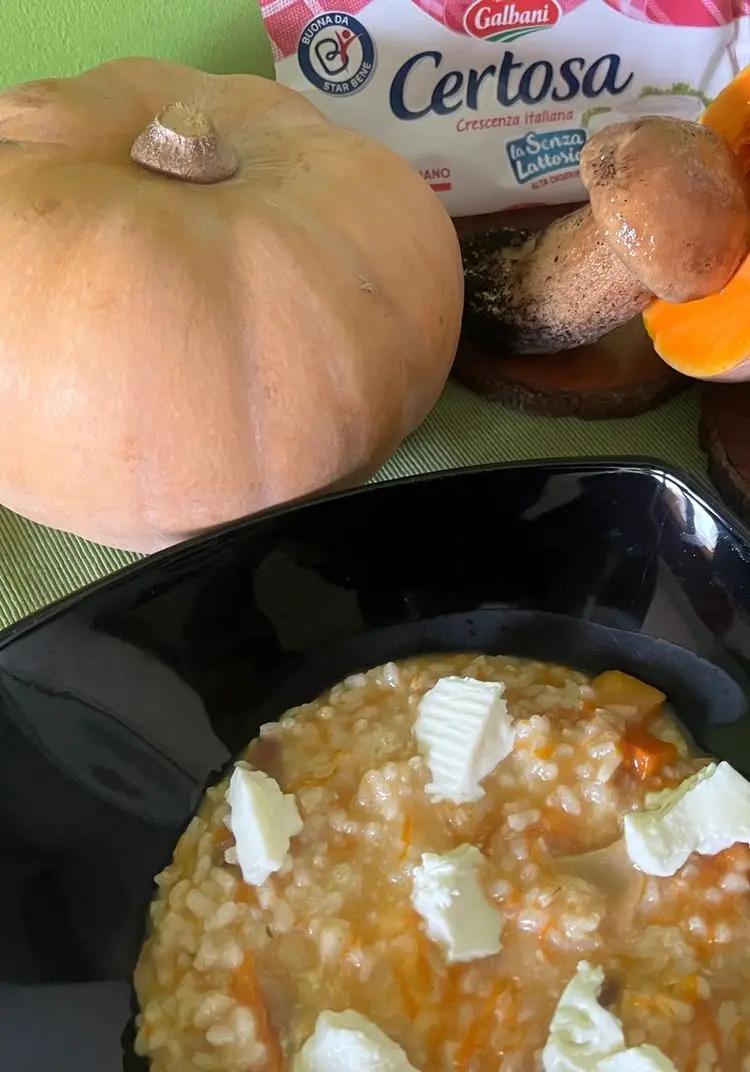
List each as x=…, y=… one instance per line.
x=618, y=376
x=725, y=414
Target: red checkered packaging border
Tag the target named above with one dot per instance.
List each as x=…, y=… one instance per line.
x=284, y=20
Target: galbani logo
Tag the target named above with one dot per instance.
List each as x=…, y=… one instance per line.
x=505, y=20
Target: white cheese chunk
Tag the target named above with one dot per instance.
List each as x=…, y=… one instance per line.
x=448, y=897
x=706, y=813
x=582, y=1032
x=463, y=730
x=637, y=1059
x=263, y=821
x=584, y=1037
x=349, y=1042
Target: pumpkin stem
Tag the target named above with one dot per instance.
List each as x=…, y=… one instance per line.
x=183, y=142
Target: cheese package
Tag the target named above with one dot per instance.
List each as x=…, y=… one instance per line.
x=492, y=100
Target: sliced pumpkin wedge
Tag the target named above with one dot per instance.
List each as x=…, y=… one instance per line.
x=710, y=338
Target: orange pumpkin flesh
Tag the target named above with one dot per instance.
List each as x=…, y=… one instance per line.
x=710, y=338
x=178, y=353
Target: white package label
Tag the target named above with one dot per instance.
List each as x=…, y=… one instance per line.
x=492, y=100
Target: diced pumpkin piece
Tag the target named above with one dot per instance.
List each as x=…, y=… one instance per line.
x=476, y=1039
x=706, y=1027
x=407, y=833
x=645, y=753
x=245, y=989
x=710, y=338
x=615, y=688
x=689, y=988
x=413, y=972
x=562, y=830
x=223, y=838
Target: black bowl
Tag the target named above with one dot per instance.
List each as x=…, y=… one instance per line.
x=118, y=706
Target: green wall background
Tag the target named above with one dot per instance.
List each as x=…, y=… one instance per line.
x=44, y=38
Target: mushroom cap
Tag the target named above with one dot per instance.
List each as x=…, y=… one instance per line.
x=669, y=197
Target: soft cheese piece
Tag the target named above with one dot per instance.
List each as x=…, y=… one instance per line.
x=463, y=730
x=582, y=1032
x=450, y=900
x=263, y=821
x=706, y=813
x=584, y=1037
x=349, y=1042
x=637, y=1059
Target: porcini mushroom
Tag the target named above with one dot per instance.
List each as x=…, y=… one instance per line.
x=668, y=216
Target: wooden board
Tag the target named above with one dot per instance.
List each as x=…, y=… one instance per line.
x=619, y=376
x=725, y=416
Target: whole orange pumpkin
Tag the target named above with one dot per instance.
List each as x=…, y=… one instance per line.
x=213, y=300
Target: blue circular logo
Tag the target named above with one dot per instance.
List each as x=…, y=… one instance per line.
x=336, y=53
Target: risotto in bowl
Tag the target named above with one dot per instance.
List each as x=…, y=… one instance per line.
x=459, y=863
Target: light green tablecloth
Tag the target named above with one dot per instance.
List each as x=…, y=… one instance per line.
x=38, y=566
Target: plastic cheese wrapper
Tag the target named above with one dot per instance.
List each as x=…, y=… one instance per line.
x=492, y=100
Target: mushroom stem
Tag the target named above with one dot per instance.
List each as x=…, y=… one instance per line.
x=182, y=142
x=667, y=216
x=539, y=293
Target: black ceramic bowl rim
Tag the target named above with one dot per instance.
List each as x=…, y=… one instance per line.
x=636, y=463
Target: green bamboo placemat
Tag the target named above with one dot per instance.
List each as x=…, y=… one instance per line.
x=39, y=565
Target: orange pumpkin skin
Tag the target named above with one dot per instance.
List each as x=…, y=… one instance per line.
x=709, y=339
x=175, y=355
